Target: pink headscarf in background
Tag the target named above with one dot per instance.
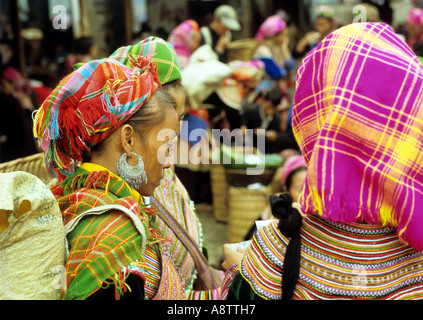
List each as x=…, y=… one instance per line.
x=415, y=16
x=292, y=163
x=415, y=19
x=20, y=83
x=270, y=27
x=182, y=38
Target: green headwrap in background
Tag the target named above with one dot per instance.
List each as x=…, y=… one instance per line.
x=162, y=52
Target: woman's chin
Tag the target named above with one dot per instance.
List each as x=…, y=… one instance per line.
x=148, y=190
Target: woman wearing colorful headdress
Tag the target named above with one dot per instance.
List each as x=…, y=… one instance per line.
x=356, y=231
x=99, y=130
x=185, y=38
x=171, y=197
x=414, y=26
x=272, y=49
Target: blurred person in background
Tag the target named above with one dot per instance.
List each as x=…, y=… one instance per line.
x=15, y=123
x=324, y=25
x=17, y=101
x=218, y=33
x=273, y=50
x=264, y=115
x=85, y=50
x=185, y=39
x=414, y=27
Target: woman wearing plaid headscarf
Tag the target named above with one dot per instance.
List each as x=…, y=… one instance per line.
x=356, y=231
x=99, y=131
x=171, y=197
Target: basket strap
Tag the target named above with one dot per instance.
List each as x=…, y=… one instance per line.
x=210, y=279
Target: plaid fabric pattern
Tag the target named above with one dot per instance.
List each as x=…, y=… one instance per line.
x=89, y=105
x=357, y=117
x=100, y=246
x=161, y=52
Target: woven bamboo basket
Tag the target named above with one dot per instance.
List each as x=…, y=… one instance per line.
x=241, y=49
x=33, y=164
x=220, y=192
x=245, y=207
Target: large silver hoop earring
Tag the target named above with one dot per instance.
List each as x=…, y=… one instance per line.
x=135, y=176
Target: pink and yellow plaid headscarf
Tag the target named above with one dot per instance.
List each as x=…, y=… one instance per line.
x=270, y=27
x=88, y=106
x=358, y=118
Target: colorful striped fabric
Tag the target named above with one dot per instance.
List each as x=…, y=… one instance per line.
x=104, y=247
x=162, y=278
x=88, y=106
x=338, y=261
x=208, y=277
x=175, y=199
x=100, y=246
x=357, y=117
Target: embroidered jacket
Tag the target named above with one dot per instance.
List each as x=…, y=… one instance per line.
x=338, y=261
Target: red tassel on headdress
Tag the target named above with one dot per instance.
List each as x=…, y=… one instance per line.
x=88, y=106
x=146, y=63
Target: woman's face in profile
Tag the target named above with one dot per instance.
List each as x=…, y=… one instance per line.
x=156, y=145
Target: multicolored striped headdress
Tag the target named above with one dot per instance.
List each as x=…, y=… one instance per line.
x=88, y=105
x=162, y=53
x=358, y=118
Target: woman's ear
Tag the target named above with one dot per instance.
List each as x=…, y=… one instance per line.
x=127, y=138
